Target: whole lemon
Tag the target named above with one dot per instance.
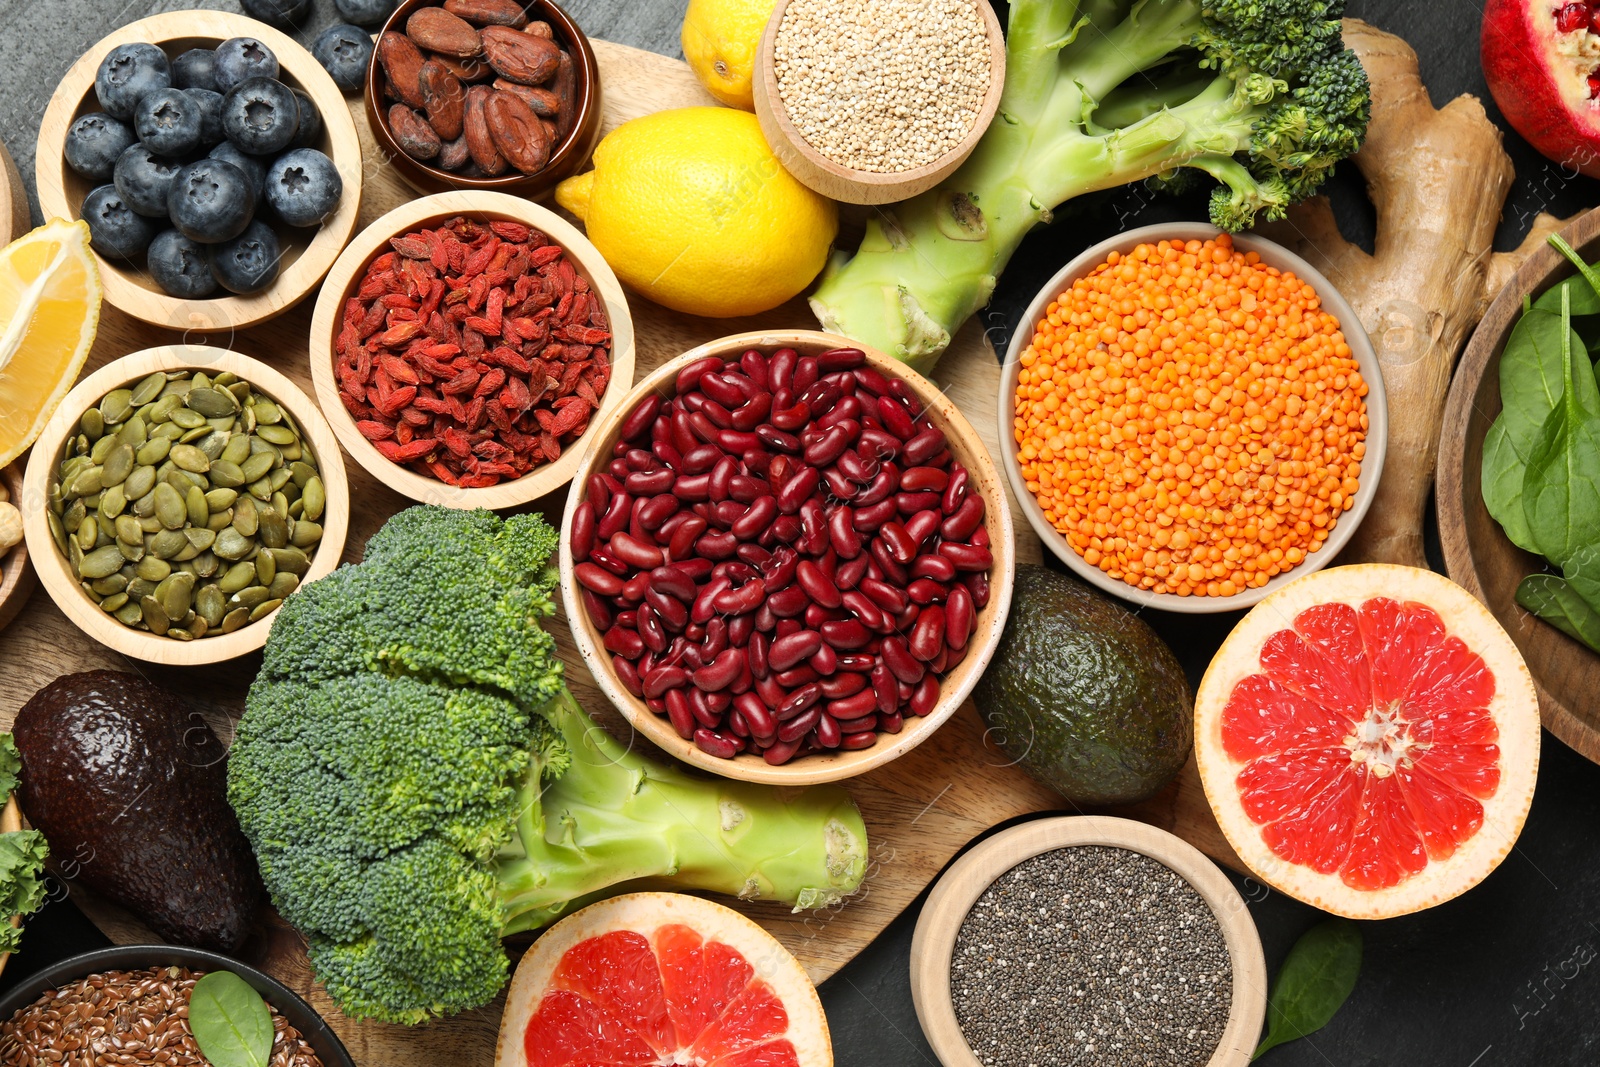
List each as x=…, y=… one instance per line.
x=691, y=208
x=720, y=38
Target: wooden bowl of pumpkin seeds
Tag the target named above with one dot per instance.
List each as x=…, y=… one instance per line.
x=187, y=491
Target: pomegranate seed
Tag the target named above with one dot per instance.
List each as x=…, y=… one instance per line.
x=1594, y=85
x=1594, y=20
x=1571, y=17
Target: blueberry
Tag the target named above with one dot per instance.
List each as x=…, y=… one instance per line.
x=168, y=121
x=94, y=141
x=241, y=58
x=309, y=130
x=195, y=69
x=211, y=201
x=248, y=263
x=260, y=115
x=254, y=168
x=280, y=13
x=365, y=12
x=180, y=266
x=303, y=187
x=115, y=231
x=127, y=73
x=143, y=180
x=343, y=50
x=210, y=105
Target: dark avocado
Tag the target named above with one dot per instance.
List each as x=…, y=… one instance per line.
x=129, y=786
x=1085, y=695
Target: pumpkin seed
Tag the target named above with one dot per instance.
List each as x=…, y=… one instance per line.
x=201, y=539
x=187, y=419
x=116, y=405
x=305, y=534
x=133, y=432
x=220, y=520
x=199, y=627
x=131, y=553
x=140, y=482
x=178, y=595
x=149, y=389
x=170, y=431
x=161, y=410
x=267, y=413
x=129, y=531
x=212, y=403
x=237, y=577
x=93, y=424
x=226, y=475
x=235, y=619
x=112, y=603
x=249, y=598
x=266, y=568
x=58, y=532
x=118, y=465
x=237, y=450
x=265, y=608
x=170, y=508
x=88, y=533
x=110, y=585
x=246, y=516
x=191, y=458
x=205, y=564
x=231, y=544
x=130, y=614
x=138, y=588
x=100, y=563
x=283, y=584
x=154, y=569
x=221, y=499
x=87, y=483
x=113, y=502
x=293, y=560
x=274, y=529
x=210, y=604
x=276, y=435
x=315, y=497
x=258, y=465
x=154, y=617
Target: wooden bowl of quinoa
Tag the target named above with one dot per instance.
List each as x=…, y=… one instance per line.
x=863, y=125
x=1201, y=529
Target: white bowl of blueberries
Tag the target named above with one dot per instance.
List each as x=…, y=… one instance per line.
x=218, y=168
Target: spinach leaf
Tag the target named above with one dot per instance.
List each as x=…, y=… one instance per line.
x=1503, y=472
x=1585, y=298
x=230, y=1021
x=1554, y=600
x=1316, y=978
x=1561, y=489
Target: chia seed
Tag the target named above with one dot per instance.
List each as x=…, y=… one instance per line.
x=1091, y=955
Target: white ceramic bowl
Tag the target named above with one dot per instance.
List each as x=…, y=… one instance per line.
x=1273, y=255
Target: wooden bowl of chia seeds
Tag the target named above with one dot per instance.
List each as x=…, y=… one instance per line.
x=1088, y=939
x=865, y=124
x=140, y=987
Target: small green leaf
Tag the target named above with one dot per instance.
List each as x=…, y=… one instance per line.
x=1561, y=604
x=231, y=1023
x=10, y=766
x=1561, y=490
x=1316, y=977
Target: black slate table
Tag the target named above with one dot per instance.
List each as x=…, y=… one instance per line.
x=1507, y=974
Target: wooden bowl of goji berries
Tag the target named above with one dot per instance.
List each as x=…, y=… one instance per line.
x=463, y=345
x=1191, y=420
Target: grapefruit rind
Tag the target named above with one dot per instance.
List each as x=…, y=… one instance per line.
x=1515, y=708
x=645, y=913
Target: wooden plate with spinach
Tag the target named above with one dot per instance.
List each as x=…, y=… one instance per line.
x=1519, y=475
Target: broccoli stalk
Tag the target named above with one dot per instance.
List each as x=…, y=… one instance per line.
x=418, y=782
x=1259, y=94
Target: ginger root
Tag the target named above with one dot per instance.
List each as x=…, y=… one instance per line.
x=1438, y=180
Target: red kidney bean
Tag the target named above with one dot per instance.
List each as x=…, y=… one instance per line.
x=635, y=552
x=689, y=377
x=978, y=585
x=955, y=491
x=900, y=661
x=618, y=468
x=868, y=613
x=657, y=510
x=850, y=572
x=885, y=596
x=881, y=489
x=639, y=460
x=723, y=391
x=599, y=611
x=634, y=588
x=725, y=513
x=871, y=519
x=672, y=582
x=795, y=677
x=667, y=453
x=825, y=661
x=600, y=490
x=719, y=544
x=813, y=528
x=700, y=459
x=648, y=623
x=649, y=483
x=798, y=701
x=693, y=488
x=838, y=485
x=802, y=724
x=856, y=469
x=721, y=479
x=939, y=568
x=924, y=479
x=754, y=555
x=927, y=636
x=857, y=741
x=915, y=503
x=582, y=539
x=757, y=715
x=845, y=634
x=683, y=435
x=756, y=365
x=926, y=591
x=893, y=571
x=738, y=441
x=704, y=429
x=842, y=533
x=842, y=684
x=967, y=557
x=678, y=712
x=890, y=724
x=756, y=654
x=960, y=526
x=658, y=681
x=791, y=418
x=616, y=516
x=627, y=675
x=827, y=447
x=788, y=651
x=822, y=396
x=780, y=368
x=624, y=642
x=759, y=515
x=685, y=537
x=923, y=447
x=720, y=701
x=673, y=613
x=806, y=373
x=779, y=571
x=884, y=688
x=716, y=744
x=737, y=725
x=958, y=616
x=837, y=359
x=788, y=602
x=773, y=437
x=636, y=425
x=598, y=579
x=895, y=418
x=702, y=710
x=740, y=628
x=747, y=490
x=779, y=752
x=721, y=672
x=800, y=487
x=827, y=733
x=924, y=524
x=863, y=701
x=925, y=696
x=898, y=541
x=738, y=601
x=702, y=611
x=815, y=584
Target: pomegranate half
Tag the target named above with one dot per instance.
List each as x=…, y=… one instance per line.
x=1542, y=61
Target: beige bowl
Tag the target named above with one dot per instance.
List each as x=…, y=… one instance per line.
x=1273, y=255
x=307, y=253
x=955, y=686
x=958, y=889
x=53, y=569
x=345, y=277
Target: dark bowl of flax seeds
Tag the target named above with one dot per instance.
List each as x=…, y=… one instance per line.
x=1087, y=941
x=130, y=1005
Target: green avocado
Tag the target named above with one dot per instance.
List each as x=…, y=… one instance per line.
x=1085, y=695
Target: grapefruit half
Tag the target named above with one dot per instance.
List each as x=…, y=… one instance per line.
x=1368, y=738
x=661, y=978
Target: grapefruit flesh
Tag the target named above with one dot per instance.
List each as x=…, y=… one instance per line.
x=1368, y=738
x=656, y=979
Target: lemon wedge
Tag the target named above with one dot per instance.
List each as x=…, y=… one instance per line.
x=49, y=311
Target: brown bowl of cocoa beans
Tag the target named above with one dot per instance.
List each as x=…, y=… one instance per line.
x=499, y=95
x=786, y=558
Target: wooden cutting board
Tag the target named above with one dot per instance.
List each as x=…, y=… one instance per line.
x=920, y=810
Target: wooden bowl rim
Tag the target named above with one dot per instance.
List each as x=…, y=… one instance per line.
x=958, y=889
x=437, y=208
x=816, y=767
x=579, y=141
x=15, y=217
x=319, y=251
x=1543, y=269
x=871, y=187
x=1273, y=255
x=52, y=566
x=17, y=580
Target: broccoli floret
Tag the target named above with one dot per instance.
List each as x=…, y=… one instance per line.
x=417, y=782
x=1259, y=94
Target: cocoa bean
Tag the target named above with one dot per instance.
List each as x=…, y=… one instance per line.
x=414, y=136
x=540, y=28
x=520, y=57
x=453, y=155
x=402, y=62
x=443, y=98
x=542, y=101
x=552, y=134
x=437, y=30
x=480, y=142
x=472, y=69
x=566, y=93
x=489, y=12
x=518, y=133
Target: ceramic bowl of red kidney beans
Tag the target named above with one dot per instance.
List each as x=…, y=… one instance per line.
x=785, y=558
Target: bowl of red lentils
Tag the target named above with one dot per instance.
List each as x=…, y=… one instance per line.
x=787, y=559
x=1195, y=418
x=464, y=344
